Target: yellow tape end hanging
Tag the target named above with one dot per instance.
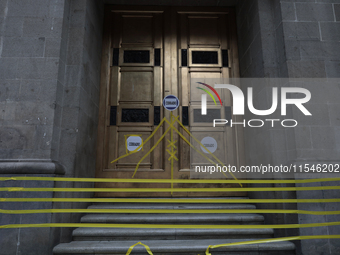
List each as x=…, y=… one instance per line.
x=133, y=246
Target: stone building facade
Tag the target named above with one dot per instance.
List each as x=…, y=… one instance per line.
x=50, y=69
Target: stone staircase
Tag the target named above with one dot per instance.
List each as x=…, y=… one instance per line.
x=100, y=241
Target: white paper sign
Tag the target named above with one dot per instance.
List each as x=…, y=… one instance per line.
x=209, y=143
x=133, y=142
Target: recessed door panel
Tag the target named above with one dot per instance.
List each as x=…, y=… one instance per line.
x=136, y=86
x=137, y=29
x=203, y=30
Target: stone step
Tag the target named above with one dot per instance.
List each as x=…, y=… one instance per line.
x=167, y=206
x=110, y=234
x=178, y=247
x=172, y=218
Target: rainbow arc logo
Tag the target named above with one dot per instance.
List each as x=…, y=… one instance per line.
x=204, y=97
x=209, y=93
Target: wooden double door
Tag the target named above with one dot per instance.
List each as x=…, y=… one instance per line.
x=149, y=53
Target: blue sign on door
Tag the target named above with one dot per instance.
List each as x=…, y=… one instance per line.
x=170, y=102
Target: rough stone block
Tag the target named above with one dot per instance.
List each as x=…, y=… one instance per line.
x=321, y=140
x=292, y=49
x=48, y=92
x=278, y=139
x=314, y=12
x=39, y=68
x=303, y=138
x=76, y=36
x=280, y=157
x=2, y=112
x=30, y=90
x=34, y=241
x=43, y=137
x=334, y=114
x=56, y=8
x=71, y=96
x=330, y=50
x=52, y=47
x=13, y=26
x=37, y=26
x=319, y=50
x=57, y=27
x=330, y=31
x=33, y=8
x=23, y=47
x=333, y=69
x=9, y=114
x=319, y=115
x=337, y=11
x=288, y=11
x=33, y=113
x=306, y=69
x=77, y=17
x=73, y=75
x=85, y=102
x=68, y=143
x=70, y=117
x=3, y=5
x=280, y=45
x=59, y=93
x=9, y=239
x=9, y=90
x=61, y=71
x=301, y=30
x=8, y=68
x=14, y=138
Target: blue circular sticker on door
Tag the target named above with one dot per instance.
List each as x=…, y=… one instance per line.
x=170, y=102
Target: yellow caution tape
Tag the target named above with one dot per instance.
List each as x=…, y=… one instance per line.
x=172, y=155
x=155, y=145
x=172, y=144
x=66, y=179
x=170, y=200
x=168, y=189
x=279, y=239
x=15, y=189
x=133, y=246
x=167, y=211
x=198, y=151
x=140, y=146
x=170, y=226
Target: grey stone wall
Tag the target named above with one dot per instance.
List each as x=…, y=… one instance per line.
x=312, y=41
x=294, y=39
x=76, y=128
x=50, y=56
x=29, y=73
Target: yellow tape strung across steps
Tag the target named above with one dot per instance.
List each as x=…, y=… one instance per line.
x=69, y=179
x=270, y=240
x=192, y=201
x=14, y=189
x=225, y=211
x=140, y=146
x=170, y=226
x=133, y=246
x=155, y=145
